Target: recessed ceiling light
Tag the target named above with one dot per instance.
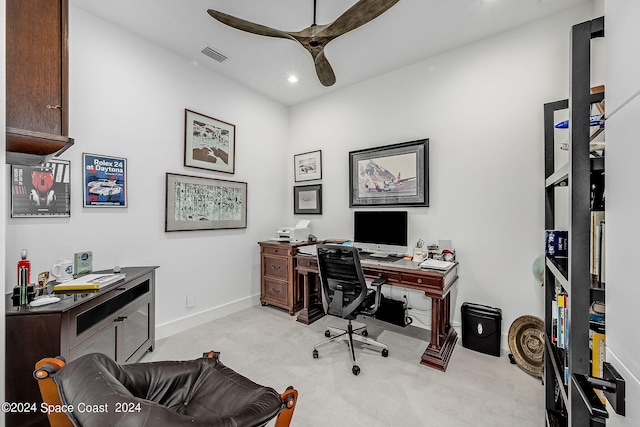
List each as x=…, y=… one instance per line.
x=293, y=79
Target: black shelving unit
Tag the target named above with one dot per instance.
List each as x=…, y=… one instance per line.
x=564, y=405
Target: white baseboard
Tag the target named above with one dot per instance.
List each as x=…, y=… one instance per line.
x=191, y=321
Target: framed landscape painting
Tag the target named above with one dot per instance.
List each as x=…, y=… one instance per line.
x=308, y=166
x=392, y=175
x=198, y=203
x=209, y=143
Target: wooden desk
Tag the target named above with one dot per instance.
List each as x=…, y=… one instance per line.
x=277, y=270
x=435, y=284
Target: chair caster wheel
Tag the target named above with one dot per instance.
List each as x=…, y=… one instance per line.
x=355, y=370
x=327, y=333
x=385, y=353
x=315, y=354
x=364, y=333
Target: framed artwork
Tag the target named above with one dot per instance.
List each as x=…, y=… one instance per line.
x=209, y=143
x=41, y=191
x=104, y=181
x=308, y=166
x=307, y=199
x=197, y=203
x=392, y=175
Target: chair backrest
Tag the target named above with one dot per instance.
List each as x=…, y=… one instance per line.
x=343, y=284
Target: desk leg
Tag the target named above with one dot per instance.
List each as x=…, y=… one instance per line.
x=309, y=313
x=443, y=336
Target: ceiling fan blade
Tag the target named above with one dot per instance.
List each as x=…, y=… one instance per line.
x=323, y=69
x=249, y=27
x=358, y=15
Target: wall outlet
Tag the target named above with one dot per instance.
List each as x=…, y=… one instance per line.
x=191, y=300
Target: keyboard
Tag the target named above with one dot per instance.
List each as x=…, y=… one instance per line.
x=436, y=264
x=378, y=254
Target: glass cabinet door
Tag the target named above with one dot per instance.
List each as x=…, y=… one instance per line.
x=135, y=330
x=102, y=341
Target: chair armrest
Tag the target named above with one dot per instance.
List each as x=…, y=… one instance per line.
x=379, y=281
x=289, y=399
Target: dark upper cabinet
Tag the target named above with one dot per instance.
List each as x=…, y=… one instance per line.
x=37, y=79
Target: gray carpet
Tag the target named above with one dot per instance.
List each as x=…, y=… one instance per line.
x=268, y=346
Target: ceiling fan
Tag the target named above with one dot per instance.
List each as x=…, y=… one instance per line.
x=316, y=37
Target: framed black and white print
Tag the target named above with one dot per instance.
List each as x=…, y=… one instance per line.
x=198, y=203
x=307, y=199
x=209, y=143
x=308, y=166
x=391, y=175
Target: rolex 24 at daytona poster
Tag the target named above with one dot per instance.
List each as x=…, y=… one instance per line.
x=105, y=181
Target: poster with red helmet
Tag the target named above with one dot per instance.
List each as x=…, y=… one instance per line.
x=42, y=190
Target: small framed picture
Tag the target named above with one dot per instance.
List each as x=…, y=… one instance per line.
x=105, y=181
x=198, y=203
x=308, y=166
x=307, y=199
x=209, y=143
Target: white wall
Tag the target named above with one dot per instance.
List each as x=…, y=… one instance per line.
x=127, y=99
x=623, y=200
x=481, y=108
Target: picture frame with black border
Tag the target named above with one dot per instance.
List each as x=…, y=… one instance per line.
x=308, y=166
x=104, y=180
x=390, y=175
x=202, y=203
x=307, y=199
x=209, y=143
x=41, y=191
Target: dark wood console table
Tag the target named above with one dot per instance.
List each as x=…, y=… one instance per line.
x=407, y=274
x=118, y=320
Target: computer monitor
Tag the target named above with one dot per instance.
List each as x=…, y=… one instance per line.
x=381, y=232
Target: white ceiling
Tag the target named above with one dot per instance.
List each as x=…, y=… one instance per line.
x=410, y=31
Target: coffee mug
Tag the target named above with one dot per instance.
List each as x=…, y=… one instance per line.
x=62, y=270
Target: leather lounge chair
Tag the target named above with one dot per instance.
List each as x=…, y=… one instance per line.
x=93, y=390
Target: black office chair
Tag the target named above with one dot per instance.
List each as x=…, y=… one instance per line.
x=345, y=294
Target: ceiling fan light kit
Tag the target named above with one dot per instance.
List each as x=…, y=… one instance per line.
x=315, y=37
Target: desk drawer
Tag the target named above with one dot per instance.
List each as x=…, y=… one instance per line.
x=275, y=291
x=420, y=280
x=309, y=262
x=275, y=267
x=271, y=250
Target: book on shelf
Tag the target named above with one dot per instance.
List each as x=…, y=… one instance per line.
x=595, y=241
x=598, y=356
x=554, y=321
x=563, y=324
